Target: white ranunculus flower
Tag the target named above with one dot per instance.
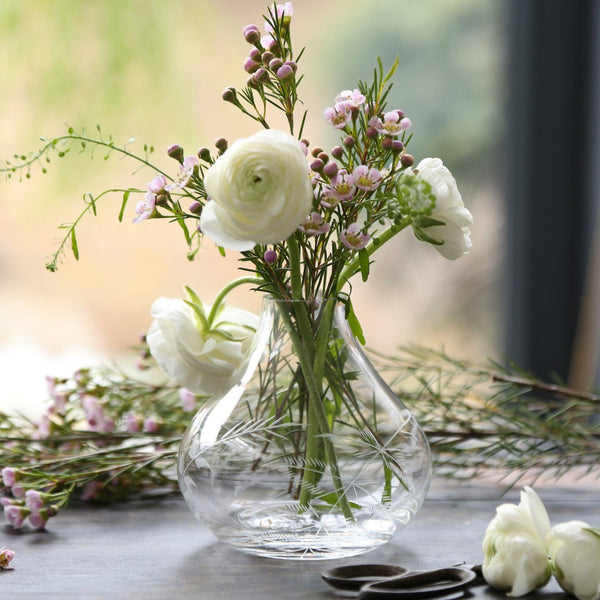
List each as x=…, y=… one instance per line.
x=259, y=191
x=204, y=362
x=449, y=209
x=575, y=557
x=514, y=546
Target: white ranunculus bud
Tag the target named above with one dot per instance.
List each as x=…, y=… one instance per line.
x=259, y=191
x=203, y=361
x=575, y=558
x=449, y=209
x=514, y=546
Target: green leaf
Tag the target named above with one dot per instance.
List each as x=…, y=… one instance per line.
x=423, y=237
x=88, y=198
x=126, y=195
x=74, y=246
x=363, y=259
x=425, y=221
x=354, y=323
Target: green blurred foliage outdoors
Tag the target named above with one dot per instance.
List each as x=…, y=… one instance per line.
x=155, y=70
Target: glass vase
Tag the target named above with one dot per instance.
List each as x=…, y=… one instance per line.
x=309, y=454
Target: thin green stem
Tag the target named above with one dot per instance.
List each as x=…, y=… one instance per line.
x=228, y=288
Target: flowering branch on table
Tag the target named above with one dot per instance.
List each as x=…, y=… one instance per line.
x=107, y=436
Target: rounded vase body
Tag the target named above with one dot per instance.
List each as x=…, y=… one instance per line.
x=276, y=469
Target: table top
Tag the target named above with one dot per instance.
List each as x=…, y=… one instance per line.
x=156, y=550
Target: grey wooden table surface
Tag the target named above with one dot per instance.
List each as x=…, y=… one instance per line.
x=156, y=550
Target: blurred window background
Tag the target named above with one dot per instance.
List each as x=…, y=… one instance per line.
x=155, y=70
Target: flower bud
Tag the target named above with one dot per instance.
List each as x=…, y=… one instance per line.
x=176, y=151
x=337, y=152
x=330, y=169
x=323, y=156
x=408, y=160
x=387, y=143
x=349, y=141
x=250, y=66
x=261, y=75
x=6, y=556
x=195, y=207
x=275, y=63
x=251, y=34
x=221, y=144
x=371, y=132
x=267, y=57
x=397, y=146
x=284, y=73
x=317, y=165
x=270, y=256
x=229, y=95
x=204, y=154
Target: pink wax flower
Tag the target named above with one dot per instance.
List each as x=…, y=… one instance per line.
x=132, y=423
x=338, y=116
x=6, y=556
x=352, y=97
x=188, y=399
x=365, y=178
x=34, y=500
x=343, y=185
x=393, y=123
x=9, y=476
x=144, y=208
x=15, y=515
x=283, y=11
x=186, y=170
x=353, y=237
x=314, y=224
x=39, y=519
x=157, y=184
x=150, y=425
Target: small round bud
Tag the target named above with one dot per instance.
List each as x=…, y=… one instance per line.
x=316, y=151
x=270, y=256
x=387, y=143
x=400, y=114
x=323, y=156
x=397, y=146
x=292, y=64
x=256, y=55
x=251, y=34
x=221, y=144
x=349, y=141
x=284, y=73
x=317, y=165
x=195, y=207
x=330, y=169
x=408, y=160
x=175, y=151
x=229, y=94
x=250, y=66
x=204, y=154
x=267, y=57
x=261, y=75
x=371, y=132
x=337, y=152
x=275, y=63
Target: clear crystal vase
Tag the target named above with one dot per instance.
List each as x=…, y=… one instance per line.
x=309, y=455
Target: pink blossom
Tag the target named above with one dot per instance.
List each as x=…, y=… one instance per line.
x=343, y=185
x=34, y=500
x=15, y=515
x=150, y=425
x=9, y=476
x=186, y=170
x=282, y=10
x=314, y=225
x=144, y=208
x=353, y=237
x=188, y=399
x=38, y=519
x=158, y=184
x=132, y=423
x=365, y=178
x=18, y=491
x=392, y=124
x=352, y=97
x=338, y=116
x=6, y=556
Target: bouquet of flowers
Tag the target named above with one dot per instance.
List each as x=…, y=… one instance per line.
x=304, y=221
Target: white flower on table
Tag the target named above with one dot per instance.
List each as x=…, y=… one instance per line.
x=259, y=191
x=515, y=546
x=575, y=557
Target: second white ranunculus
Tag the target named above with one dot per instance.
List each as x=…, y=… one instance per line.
x=514, y=546
x=202, y=360
x=575, y=557
x=259, y=191
x=455, y=234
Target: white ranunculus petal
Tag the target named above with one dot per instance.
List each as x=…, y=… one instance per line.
x=259, y=191
x=449, y=209
x=203, y=362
